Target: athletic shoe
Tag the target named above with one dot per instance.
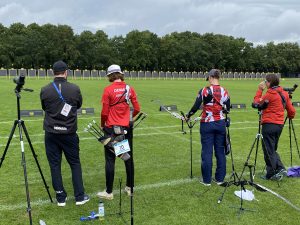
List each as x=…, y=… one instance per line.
x=127, y=190
x=105, y=195
x=276, y=177
x=220, y=183
x=85, y=199
x=62, y=204
x=282, y=172
x=205, y=184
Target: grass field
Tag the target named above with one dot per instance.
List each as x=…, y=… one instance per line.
x=164, y=192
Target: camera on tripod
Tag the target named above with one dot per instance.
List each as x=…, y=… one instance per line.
x=261, y=106
x=291, y=90
x=20, y=81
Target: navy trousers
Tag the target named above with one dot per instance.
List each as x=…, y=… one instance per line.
x=56, y=144
x=213, y=138
x=271, y=134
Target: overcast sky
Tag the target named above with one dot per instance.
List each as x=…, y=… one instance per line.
x=259, y=21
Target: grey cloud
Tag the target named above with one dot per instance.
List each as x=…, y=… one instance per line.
x=257, y=21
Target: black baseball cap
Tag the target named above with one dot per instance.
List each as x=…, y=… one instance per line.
x=215, y=73
x=59, y=66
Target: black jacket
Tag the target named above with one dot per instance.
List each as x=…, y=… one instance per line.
x=54, y=122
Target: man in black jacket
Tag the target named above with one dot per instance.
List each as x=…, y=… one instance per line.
x=60, y=101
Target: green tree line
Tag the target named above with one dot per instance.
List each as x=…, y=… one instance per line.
x=36, y=46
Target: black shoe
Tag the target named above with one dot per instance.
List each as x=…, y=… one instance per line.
x=85, y=199
x=62, y=203
x=282, y=172
x=276, y=177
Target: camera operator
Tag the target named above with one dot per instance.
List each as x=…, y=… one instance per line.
x=272, y=123
x=60, y=101
x=212, y=126
x=115, y=115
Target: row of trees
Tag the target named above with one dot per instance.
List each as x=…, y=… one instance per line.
x=36, y=46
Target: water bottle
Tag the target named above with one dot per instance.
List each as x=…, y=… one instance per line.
x=101, y=210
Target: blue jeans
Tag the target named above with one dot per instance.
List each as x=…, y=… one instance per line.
x=213, y=137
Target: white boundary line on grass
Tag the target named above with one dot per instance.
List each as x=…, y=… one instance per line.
x=136, y=135
x=41, y=202
x=98, y=118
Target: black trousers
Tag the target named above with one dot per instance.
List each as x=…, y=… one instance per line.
x=56, y=144
x=110, y=159
x=271, y=134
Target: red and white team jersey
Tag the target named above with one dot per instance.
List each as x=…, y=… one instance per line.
x=212, y=111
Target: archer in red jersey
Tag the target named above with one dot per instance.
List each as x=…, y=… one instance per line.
x=115, y=112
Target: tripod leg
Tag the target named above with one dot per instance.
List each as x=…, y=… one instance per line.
x=36, y=160
x=25, y=171
x=225, y=189
x=8, y=142
x=295, y=138
x=291, y=147
x=191, y=152
x=120, y=198
x=256, y=152
x=248, y=157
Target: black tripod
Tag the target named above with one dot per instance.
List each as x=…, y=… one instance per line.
x=21, y=125
x=292, y=129
x=233, y=179
x=241, y=181
x=137, y=121
x=190, y=124
x=291, y=125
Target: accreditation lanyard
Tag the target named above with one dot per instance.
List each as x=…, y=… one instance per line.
x=58, y=92
x=67, y=108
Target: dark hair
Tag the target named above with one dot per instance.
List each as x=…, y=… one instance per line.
x=58, y=73
x=115, y=76
x=272, y=79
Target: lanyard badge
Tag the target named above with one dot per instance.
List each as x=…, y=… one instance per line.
x=67, y=107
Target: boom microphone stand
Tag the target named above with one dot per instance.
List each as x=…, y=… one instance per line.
x=21, y=125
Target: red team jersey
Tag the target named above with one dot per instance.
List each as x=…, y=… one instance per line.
x=115, y=109
x=212, y=111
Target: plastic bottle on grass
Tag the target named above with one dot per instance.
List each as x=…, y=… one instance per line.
x=101, y=210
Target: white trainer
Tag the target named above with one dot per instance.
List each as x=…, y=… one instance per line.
x=205, y=184
x=62, y=204
x=105, y=195
x=127, y=190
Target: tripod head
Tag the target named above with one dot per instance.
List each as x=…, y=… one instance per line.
x=261, y=106
x=291, y=90
x=20, y=81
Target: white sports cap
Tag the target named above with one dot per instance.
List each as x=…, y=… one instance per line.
x=114, y=69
